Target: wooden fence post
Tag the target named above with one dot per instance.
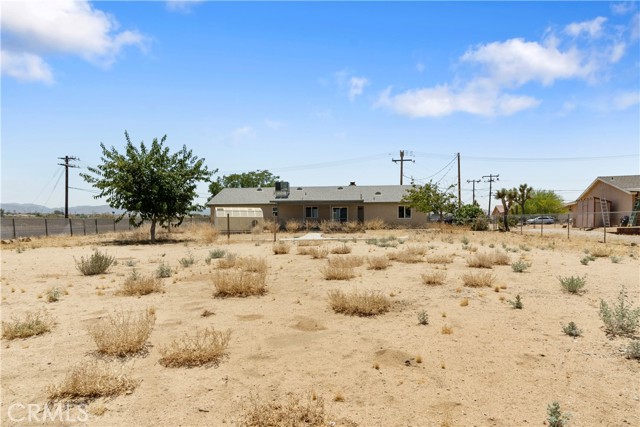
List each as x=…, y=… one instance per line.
x=14, y=227
x=228, y=228
x=46, y=228
x=70, y=227
x=96, y=220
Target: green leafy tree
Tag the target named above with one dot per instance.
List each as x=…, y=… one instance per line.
x=545, y=202
x=149, y=184
x=467, y=214
x=430, y=198
x=259, y=178
x=507, y=197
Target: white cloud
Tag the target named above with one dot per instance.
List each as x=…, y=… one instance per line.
x=617, y=52
x=63, y=26
x=25, y=67
x=593, y=28
x=623, y=8
x=181, y=6
x=356, y=86
x=273, y=124
x=626, y=100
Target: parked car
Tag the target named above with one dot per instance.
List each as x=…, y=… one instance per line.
x=541, y=220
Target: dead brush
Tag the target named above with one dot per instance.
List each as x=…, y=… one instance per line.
x=366, y=303
x=123, y=333
x=375, y=224
x=252, y=264
x=600, y=251
x=409, y=255
x=378, y=262
x=238, y=283
x=440, y=259
x=292, y=412
x=478, y=280
x=281, y=248
x=346, y=261
x=292, y=226
x=434, y=278
x=319, y=252
x=332, y=272
x=204, y=232
x=202, y=348
x=302, y=243
x=229, y=261
x=500, y=258
x=91, y=380
x=343, y=249
x=480, y=260
x=137, y=285
x=97, y=263
x=34, y=323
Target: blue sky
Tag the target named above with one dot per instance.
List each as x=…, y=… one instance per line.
x=545, y=93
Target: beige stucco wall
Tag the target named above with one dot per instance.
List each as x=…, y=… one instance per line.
x=388, y=212
x=587, y=210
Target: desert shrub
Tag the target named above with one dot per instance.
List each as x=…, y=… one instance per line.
x=423, y=317
x=615, y=259
x=374, y=224
x=633, y=350
x=464, y=240
x=342, y=249
x=346, y=262
x=252, y=264
x=292, y=412
x=464, y=302
x=600, y=251
x=446, y=330
x=480, y=260
x=229, y=261
x=572, y=330
x=378, y=262
x=500, y=258
x=216, y=253
x=91, y=380
x=480, y=224
x=620, y=319
x=519, y=266
x=202, y=348
x=517, y=303
x=352, y=227
x=330, y=226
x=434, y=278
x=137, y=285
x=34, y=323
x=585, y=260
x=97, y=263
x=238, y=283
x=555, y=416
x=53, y=294
x=332, y=272
x=318, y=252
x=440, y=259
x=478, y=280
x=384, y=242
x=281, y=248
x=163, y=271
x=187, y=261
x=572, y=284
x=366, y=303
x=409, y=255
x=123, y=333
x=292, y=225
x=304, y=250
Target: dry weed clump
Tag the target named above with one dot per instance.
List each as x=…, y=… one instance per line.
x=501, y=258
x=600, y=251
x=346, y=262
x=229, y=261
x=97, y=263
x=480, y=260
x=137, y=285
x=252, y=264
x=378, y=262
x=478, y=280
x=204, y=232
x=292, y=412
x=319, y=252
x=123, y=333
x=332, y=272
x=281, y=248
x=440, y=259
x=34, y=323
x=409, y=255
x=292, y=226
x=434, y=278
x=203, y=348
x=366, y=303
x=375, y=224
x=91, y=380
x=304, y=249
x=343, y=249
x=238, y=283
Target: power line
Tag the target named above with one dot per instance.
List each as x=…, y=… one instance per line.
x=401, y=160
x=490, y=181
x=66, y=166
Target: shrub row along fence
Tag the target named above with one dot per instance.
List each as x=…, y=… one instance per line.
x=16, y=227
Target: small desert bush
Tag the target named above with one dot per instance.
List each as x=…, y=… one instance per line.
x=410, y=255
x=97, y=263
x=308, y=243
x=342, y=249
x=202, y=348
x=555, y=416
x=464, y=302
x=517, y=303
x=572, y=330
x=34, y=323
x=216, y=253
x=137, y=285
x=434, y=278
x=163, y=271
x=292, y=412
x=53, y=294
x=304, y=250
x=383, y=242
x=519, y=266
x=446, y=330
x=600, y=251
x=91, y=380
x=229, y=261
x=423, y=317
x=500, y=258
x=572, y=284
x=366, y=303
x=615, y=259
x=292, y=225
x=374, y=224
x=352, y=227
x=238, y=283
x=478, y=280
x=187, y=261
x=378, y=262
x=332, y=272
x=330, y=226
x=585, y=260
x=633, y=350
x=252, y=264
x=281, y=248
x=123, y=333
x=480, y=260
x=620, y=318
x=318, y=252
x=440, y=259
x=346, y=262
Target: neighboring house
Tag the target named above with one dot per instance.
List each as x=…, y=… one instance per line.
x=316, y=204
x=498, y=211
x=618, y=193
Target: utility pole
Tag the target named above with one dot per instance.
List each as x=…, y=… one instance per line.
x=66, y=181
x=474, y=188
x=402, y=160
x=491, y=179
x=459, y=184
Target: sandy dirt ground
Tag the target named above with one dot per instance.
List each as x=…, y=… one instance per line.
x=499, y=367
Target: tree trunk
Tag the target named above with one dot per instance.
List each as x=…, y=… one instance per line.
x=506, y=222
x=153, y=230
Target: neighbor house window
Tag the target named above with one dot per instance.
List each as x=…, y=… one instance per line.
x=274, y=211
x=404, y=212
x=311, y=212
x=339, y=214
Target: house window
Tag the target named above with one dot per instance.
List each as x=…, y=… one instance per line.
x=311, y=212
x=404, y=212
x=274, y=211
x=339, y=214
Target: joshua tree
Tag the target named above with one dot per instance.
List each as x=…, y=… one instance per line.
x=507, y=197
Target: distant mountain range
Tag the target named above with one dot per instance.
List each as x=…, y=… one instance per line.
x=29, y=208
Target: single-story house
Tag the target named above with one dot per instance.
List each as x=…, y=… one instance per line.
x=498, y=211
x=617, y=194
x=330, y=203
